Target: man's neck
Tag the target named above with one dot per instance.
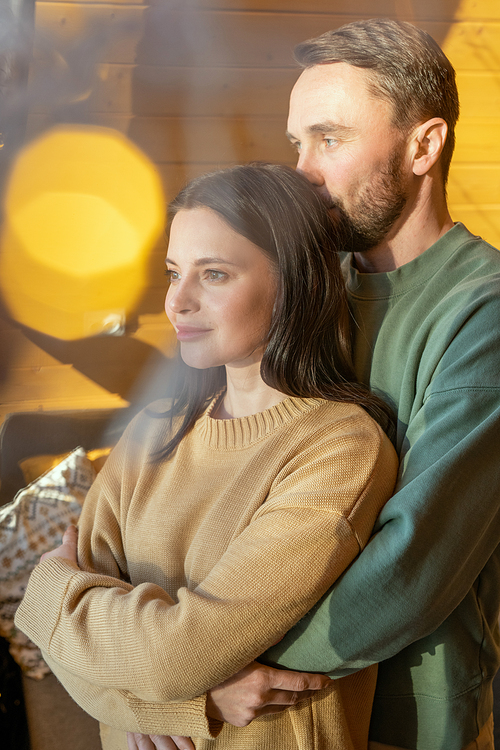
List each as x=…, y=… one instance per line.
x=419, y=227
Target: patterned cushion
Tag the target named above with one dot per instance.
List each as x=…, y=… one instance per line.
x=30, y=525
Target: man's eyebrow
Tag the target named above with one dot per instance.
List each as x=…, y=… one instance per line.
x=334, y=128
x=205, y=261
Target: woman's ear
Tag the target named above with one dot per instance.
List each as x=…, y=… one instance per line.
x=428, y=143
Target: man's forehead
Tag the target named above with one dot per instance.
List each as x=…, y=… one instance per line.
x=316, y=96
x=335, y=93
x=337, y=76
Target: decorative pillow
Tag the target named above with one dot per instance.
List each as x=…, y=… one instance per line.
x=34, y=466
x=33, y=523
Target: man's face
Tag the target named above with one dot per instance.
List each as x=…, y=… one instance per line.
x=349, y=148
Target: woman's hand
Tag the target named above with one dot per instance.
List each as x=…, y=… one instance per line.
x=157, y=742
x=69, y=547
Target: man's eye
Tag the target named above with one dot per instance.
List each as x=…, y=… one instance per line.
x=330, y=141
x=171, y=275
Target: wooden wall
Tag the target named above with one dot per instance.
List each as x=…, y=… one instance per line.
x=204, y=84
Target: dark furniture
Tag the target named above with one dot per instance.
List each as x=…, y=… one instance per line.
x=40, y=715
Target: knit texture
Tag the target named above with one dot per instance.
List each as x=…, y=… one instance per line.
x=426, y=587
x=195, y=565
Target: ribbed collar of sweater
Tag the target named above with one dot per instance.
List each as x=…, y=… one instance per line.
x=244, y=431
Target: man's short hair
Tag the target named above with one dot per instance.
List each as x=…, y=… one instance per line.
x=409, y=69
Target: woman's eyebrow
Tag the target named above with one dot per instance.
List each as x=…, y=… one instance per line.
x=205, y=261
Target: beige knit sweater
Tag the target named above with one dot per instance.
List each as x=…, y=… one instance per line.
x=194, y=566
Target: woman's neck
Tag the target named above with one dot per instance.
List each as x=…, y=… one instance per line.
x=246, y=393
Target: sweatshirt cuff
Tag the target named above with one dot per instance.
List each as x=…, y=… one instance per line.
x=188, y=717
x=38, y=614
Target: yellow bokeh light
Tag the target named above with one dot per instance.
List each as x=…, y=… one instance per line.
x=83, y=209
x=99, y=244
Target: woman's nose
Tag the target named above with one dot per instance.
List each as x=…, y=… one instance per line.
x=180, y=298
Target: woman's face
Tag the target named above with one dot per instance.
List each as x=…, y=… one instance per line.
x=221, y=294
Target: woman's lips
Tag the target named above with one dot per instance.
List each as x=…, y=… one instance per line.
x=184, y=333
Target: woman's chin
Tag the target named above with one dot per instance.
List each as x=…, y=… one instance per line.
x=198, y=363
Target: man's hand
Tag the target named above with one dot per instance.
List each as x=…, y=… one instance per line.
x=69, y=547
x=157, y=742
x=257, y=690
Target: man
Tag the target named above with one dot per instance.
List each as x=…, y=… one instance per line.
x=372, y=117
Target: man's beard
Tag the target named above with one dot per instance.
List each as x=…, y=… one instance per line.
x=375, y=209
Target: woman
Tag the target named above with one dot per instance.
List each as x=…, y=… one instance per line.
x=217, y=524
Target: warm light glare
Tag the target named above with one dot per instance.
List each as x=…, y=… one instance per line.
x=83, y=209
x=99, y=236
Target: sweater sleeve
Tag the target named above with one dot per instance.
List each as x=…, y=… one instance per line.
x=135, y=647
x=436, y=534
x=129, y=713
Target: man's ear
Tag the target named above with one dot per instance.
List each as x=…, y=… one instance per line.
x=427, y=144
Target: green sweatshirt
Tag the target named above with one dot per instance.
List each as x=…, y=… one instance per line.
x=424, y=595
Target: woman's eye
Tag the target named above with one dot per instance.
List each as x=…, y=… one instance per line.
x=171, y=275
x=216, y=275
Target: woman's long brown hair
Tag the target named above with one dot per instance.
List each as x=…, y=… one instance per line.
x=308, y=347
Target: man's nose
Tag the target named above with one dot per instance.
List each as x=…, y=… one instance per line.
x=309, y=167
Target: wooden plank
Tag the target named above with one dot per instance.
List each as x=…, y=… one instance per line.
x=473, y=45
x=93, y=2
x=474, y=183
x=211, y=140
x=59, y=404
x=149, y=90
x=481, y=220
x=479, y=94
x=204, y=140
x=267, y=39
x=410, y=10
x=221, y=92
x=72, y=34
x=93, y=377
x=61, y=382
x=163, y=35
x=364, y=7
x=404, y=9
x=480, y=9
x=6, y=325
x=218, y=38
x=19, y=352
x=200, y=37
x=153, y=302
x=176, y=176
x=477, y=141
